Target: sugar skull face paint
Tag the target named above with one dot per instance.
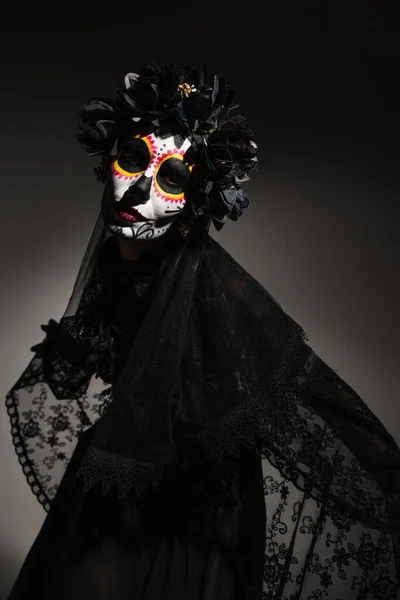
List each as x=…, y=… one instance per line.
x=146, y=193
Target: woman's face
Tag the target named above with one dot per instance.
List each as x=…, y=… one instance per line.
x=147, y=187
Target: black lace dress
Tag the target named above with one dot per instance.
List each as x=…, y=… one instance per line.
x=199, y=535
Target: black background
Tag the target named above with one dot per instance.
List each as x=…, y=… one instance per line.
x=318, y=83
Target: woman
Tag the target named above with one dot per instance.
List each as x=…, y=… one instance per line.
x=217, y=455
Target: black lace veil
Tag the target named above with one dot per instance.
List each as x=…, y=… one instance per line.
x=232, y=371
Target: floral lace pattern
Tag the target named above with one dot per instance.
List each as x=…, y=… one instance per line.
x=45, y=429
x=314, y=552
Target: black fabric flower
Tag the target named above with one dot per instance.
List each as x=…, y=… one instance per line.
x=98, y=128
x=151, y=94
x=205, y=106
x=220, y=202
x=223, y=162
x=189, y=100
x=81, y=353
x=230, y=152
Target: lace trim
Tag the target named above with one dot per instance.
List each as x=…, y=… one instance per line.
x=117, y=471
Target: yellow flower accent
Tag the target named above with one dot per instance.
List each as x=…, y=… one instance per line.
x=185, y=89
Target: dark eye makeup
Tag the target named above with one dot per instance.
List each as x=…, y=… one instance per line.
x=134, y=156
x=173, y=176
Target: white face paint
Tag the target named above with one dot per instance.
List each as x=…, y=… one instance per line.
x=148, y=181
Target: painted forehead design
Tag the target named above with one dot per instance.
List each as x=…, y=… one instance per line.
x=162, y=149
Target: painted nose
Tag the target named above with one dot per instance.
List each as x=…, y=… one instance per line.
x=138, y=192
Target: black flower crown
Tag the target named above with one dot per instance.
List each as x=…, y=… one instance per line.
x=190, y=103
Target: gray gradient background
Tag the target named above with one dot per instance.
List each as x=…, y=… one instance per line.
x=322, y=231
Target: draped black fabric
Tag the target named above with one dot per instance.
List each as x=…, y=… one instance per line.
x=167, y=545
x=195, y=536
x=196, y=364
